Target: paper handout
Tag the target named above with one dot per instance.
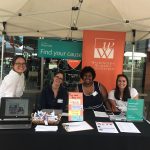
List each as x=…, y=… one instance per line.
x=100, y=114
x=127, y=127
x=46, y=128
x=106, y=127
x=76, y=126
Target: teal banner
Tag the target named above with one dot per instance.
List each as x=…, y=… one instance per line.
x=135, y=109
x=48, y=48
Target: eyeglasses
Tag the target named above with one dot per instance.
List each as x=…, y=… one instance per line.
x=20, y=64
x=59, y=78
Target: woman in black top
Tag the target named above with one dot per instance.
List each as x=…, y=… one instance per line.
x=94, y=93
x=55, y=95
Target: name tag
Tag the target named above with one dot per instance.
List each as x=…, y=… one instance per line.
x=95, y=93
x=59, y=100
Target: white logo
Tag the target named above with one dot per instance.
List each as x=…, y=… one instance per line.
x=104, y=48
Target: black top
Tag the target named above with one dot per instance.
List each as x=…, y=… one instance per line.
x=93, y=101
x=48, y=101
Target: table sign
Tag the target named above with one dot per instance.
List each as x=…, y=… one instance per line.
x=75, y=106
x=135, y=109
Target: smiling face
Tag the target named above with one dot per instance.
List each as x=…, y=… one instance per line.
x=122, y=82
x=88, y=78
x=19, y=65
x=58, y=78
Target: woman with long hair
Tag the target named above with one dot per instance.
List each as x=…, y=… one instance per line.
x=119, y=96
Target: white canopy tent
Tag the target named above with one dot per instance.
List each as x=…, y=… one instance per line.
x=68, y=18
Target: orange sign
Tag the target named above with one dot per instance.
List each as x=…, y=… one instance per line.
x=73, y=63
x=104, y=51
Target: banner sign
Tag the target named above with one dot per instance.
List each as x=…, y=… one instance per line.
x=104, y=51
x=75, y=109
x=49, y=48
x=135, y=109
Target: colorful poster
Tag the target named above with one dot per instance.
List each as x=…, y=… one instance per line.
x=75, y=106
x=104, y=51
x=135, y=109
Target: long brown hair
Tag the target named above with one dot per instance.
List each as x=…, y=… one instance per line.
x=126, y=92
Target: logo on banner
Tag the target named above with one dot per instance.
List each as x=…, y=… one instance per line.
x=104, y=48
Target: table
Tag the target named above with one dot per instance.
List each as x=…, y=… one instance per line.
x=85, y=140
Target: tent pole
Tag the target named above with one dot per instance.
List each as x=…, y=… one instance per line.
x=133, y=49
x=42, y=73
x=2, y=55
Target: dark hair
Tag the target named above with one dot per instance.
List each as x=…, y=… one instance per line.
x=16, y=57
x=126, y=92
x=57, y=72
x=86, y=70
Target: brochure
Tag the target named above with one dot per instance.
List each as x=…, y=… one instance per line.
x=75, y=110
x=46, y=128
x=127, y=127
x=135, y=109
x=106, y=127
x=76, y=126
x=100, y=114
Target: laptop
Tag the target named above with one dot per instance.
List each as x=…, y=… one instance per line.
x=15, y=113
